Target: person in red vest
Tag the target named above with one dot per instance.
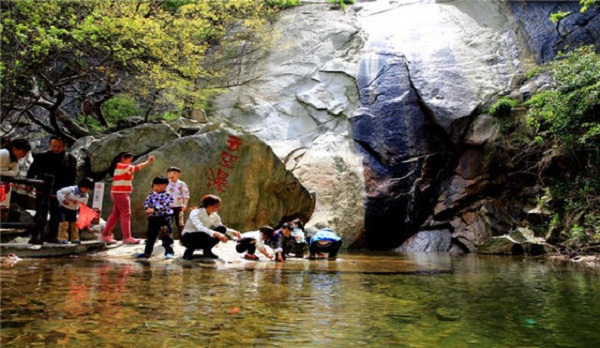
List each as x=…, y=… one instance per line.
x=119, y=193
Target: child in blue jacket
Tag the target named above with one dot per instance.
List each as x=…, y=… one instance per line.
x=324, y=241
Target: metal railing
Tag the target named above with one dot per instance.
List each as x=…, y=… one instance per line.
x=40, y=187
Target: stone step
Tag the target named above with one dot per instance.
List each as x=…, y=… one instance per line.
x=51, y=249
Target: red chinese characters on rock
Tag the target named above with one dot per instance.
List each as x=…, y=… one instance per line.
x=217, y=177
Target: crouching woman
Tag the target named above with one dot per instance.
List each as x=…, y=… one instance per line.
x=204, y=229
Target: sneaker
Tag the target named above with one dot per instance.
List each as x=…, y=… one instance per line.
x=169, y=256
x=108, y=240
x=64, y=242
x=251, y=257
x=312, y=257
x=332, y=258
x=142, y=256
x=131, y=241
x=209, y=254
x=76, y=242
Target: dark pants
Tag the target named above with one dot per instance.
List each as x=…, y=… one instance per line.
x=246, y=244
x=200, y=240
x=332, y=248
x=155, y=224
x=69, y=215
x=179, y=223
x=53, y=209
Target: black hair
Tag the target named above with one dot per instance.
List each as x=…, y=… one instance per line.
x=298, y=223
x=57, y=137
x=210, y=200
x=19, y=144
x=160, y=180
x=288, y=226
x=174, y=169
x=87, y=183
x=117, y=159
x=267, y=231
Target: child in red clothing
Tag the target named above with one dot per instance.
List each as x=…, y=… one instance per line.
x=119, y=193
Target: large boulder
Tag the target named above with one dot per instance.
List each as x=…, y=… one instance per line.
x=298, y=98
x=138, y=140
x=332, y=171
x=241, y=169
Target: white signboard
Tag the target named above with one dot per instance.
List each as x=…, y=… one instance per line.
x=98, y=196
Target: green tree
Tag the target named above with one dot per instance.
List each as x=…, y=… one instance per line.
x=567, y=116
x=62, y=58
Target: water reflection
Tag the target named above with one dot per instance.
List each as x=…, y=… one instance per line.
x=431, y=300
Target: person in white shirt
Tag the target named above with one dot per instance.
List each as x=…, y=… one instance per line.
x=181, y=196
x=9, y=163
x=69, y=198
x=204, y=229
x=250, y=241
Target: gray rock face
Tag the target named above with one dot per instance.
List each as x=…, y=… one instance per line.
x=542, y=35
x=426, y=69
x=428, y=241
x=138, y=140
x=253, y=183
x=405, y=82
x=400, y=149
x=298, y=98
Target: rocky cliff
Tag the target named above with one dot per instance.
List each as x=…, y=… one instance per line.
x=379, y=111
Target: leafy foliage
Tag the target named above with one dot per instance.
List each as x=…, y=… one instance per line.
x=342, y=3
x=503, y=107
x=119, y=107
x=567, y=117
x=568, y=112
x=283, y=3
x=169, y=54
x=587, y=4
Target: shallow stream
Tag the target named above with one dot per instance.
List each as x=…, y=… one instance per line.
x=421, y=300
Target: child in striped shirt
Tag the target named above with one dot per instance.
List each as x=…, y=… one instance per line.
x=119, y=193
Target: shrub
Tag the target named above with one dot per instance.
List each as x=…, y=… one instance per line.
x=566, y=118
x=342, y=3
x=283, y=3
x=119, y=107
x=503, y=107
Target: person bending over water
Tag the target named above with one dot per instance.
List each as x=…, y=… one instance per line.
x=250, y=241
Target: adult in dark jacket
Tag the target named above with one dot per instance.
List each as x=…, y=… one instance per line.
x=58, y=169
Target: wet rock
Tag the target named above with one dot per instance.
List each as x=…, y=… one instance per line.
x=520, y=241
x=428, y=241
x=447, y=314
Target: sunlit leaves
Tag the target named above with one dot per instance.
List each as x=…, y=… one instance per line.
x=568, y=112
x=151, y=47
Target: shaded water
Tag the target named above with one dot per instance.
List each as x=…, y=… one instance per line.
x=377, y=301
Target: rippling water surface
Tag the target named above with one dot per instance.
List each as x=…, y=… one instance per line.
x=360, y=300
